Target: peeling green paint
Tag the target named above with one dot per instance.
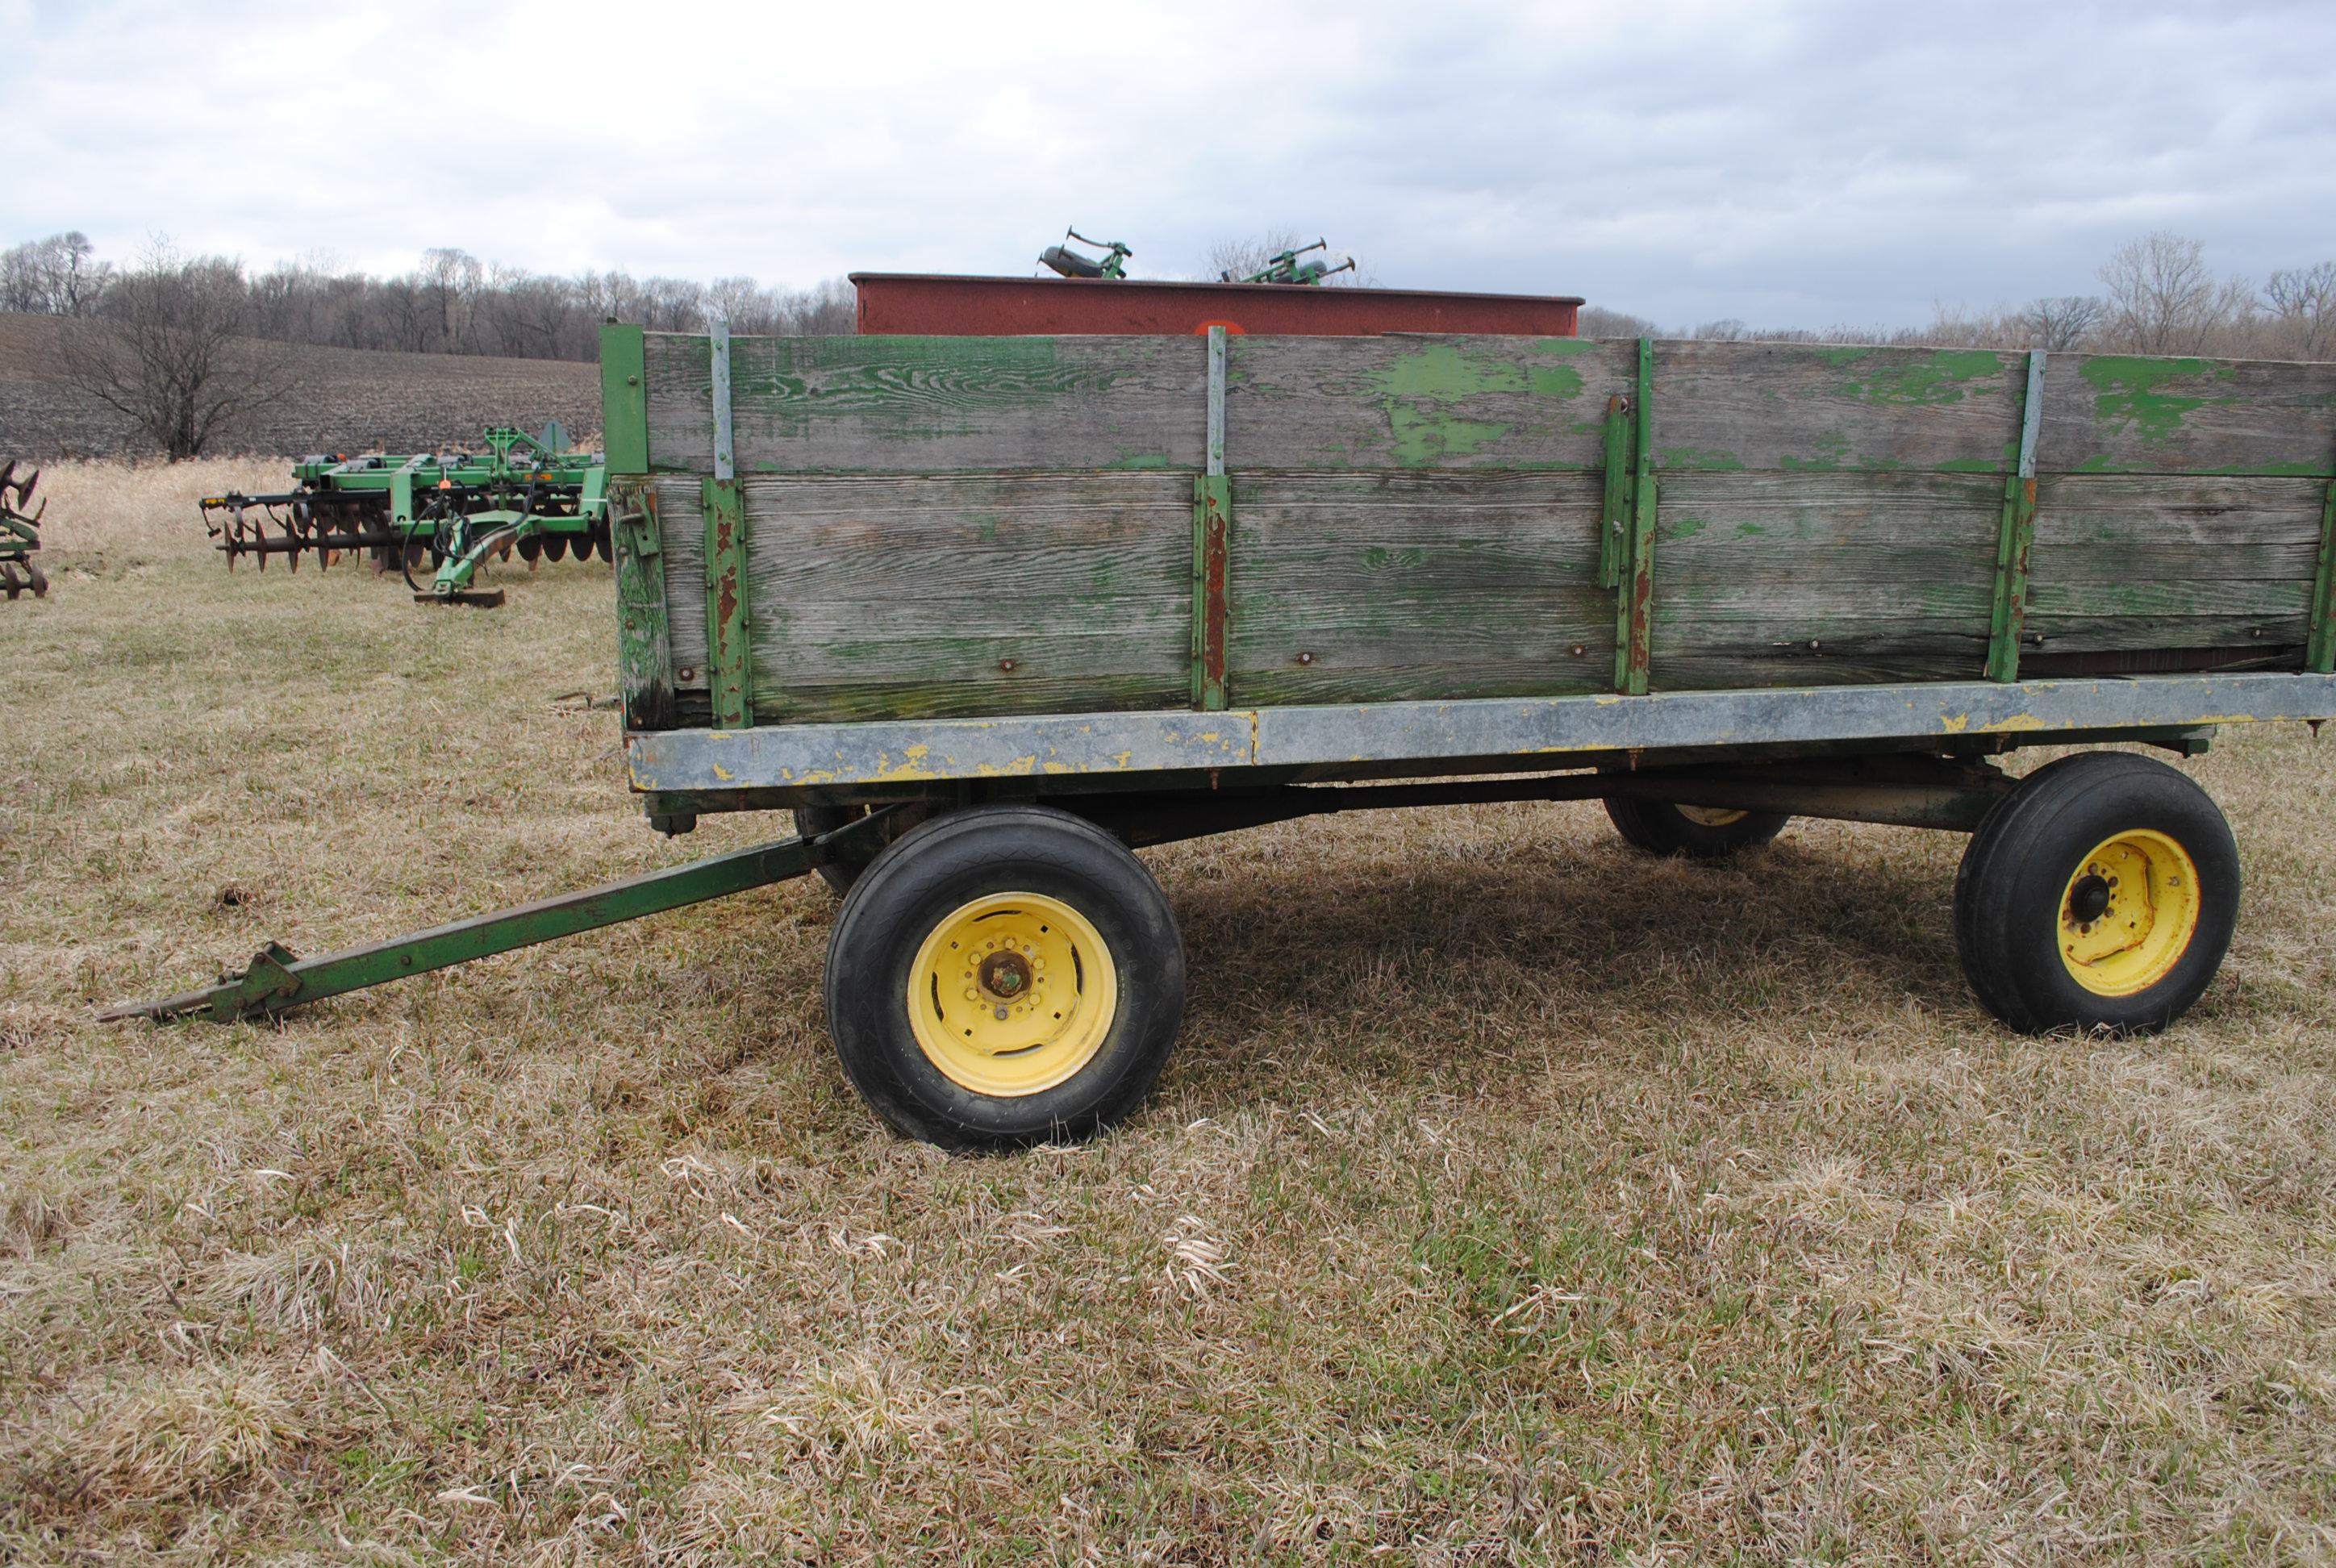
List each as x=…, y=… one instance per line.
x=1930, y=379
x=2129, y=392
x=1685, y=527
x=1556, y=381
x=1419, y=389
x=1378, y=558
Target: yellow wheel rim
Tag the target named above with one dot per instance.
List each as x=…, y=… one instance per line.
x=1012, y=994
x=1711, y=816
x=2129, y=913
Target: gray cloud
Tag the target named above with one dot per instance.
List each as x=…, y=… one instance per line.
x=1796, y=164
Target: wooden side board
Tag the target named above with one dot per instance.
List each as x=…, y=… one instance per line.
x=1374, y=585
x=940, y=527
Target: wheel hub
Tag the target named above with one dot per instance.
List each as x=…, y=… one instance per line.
x=1005, y=975
x=1012, y=994
x=2129, y=913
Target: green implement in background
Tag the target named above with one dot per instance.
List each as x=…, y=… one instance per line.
x=445, y=511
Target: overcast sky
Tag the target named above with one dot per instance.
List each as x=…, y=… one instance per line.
x=1807, y=163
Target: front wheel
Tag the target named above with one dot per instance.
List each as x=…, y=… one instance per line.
x=2100, y=894
x=1698, y=833
x=1005, y=976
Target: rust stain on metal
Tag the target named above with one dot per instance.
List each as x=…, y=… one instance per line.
x=1213, y=585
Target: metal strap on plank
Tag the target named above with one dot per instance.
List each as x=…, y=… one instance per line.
x=1212, y=506
x=1635, y=570
x=1613, y=516
x=729, y=651
x=2017, y=539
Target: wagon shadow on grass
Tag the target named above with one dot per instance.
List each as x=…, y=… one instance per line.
x=1354, y=960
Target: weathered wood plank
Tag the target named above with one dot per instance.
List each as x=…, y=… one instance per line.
x=1789, y=578
x=1360, y=585
x=969, y=593
x=2117, y=527
x=1814, y=408
x=681, y=534
x=906, y=404
x=2108, y=413
x=1419, y=401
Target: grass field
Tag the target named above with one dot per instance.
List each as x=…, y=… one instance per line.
x=1510, y=1197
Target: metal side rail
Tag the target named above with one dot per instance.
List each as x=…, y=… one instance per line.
x=279, y=979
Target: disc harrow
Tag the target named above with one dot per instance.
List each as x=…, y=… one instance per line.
x=20, y=534
x=443, y=513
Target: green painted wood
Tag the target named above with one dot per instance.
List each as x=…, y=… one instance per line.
x=729, y=651
x=2321, y=654
x=624, y=400
x=909, y=405
x=1634, y=595
x=1422, y=402
x=2117, y=413
x=644, y=669
x=1614, y=522
x=1212, y=505
x=1812, y=408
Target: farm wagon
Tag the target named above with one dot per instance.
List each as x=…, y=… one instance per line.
x=983, y=612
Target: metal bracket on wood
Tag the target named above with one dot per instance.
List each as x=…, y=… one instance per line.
x=643, y=641
x=1613, y=515
x=1212, y=506
x=729, y=650
x=1635, y=566
x=2320, y=649
x=2017, y=539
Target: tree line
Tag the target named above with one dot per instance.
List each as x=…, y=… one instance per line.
x=453, y=303
x=2157, y=296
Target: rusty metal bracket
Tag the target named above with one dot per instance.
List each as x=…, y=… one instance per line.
x=729, y=648
x=1212, y=508
x=2017, y=539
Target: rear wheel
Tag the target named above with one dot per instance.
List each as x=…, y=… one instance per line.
x=1698, y=833
x=1003, y=976
x=2100, y=894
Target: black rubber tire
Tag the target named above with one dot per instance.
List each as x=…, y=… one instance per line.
x=2018, y=865
x=935, y=869
x=1661, y=828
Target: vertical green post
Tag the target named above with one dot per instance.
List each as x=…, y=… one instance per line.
x=1634, y=603
x=729, y=650
x=1212, y=508
x=624, y=399
x=2016, y=539
x=2319, y=650
x=1614, y=512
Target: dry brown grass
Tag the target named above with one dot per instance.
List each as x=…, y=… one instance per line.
x=1511, y=1198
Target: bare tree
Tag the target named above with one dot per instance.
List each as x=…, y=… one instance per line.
x=2059, y=322
x=58, y=276
x=169, y=353
x=2303, y=309
x=2162, y=296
